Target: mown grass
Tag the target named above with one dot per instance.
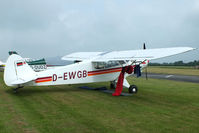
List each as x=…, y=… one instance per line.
x=173, y=70
x=160, y=106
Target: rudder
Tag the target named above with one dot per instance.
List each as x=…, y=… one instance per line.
x=17, y=71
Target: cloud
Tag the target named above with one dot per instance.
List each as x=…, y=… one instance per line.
x=50, y=28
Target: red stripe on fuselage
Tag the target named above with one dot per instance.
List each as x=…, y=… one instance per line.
x=99, y=72
x=43, y=79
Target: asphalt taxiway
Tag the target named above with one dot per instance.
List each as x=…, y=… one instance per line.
x=184, y=78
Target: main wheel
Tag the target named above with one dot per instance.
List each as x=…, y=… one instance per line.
x=133, y=89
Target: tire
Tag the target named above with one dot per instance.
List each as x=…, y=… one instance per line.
x=133, y=89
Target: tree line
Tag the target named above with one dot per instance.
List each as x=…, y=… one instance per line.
x=177, y=63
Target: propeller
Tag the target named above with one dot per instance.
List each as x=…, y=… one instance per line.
x=146, y=74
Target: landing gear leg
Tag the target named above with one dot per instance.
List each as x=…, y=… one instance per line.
x=133, y=89
x=15, y=90
x=113, y=85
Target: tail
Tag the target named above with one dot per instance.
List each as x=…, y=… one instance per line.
x=17, y=71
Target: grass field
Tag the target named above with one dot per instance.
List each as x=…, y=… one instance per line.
x=160, y=106
x=180, y=70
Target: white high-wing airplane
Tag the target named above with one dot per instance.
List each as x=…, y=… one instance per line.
x=90, y=67
x=36, y=64
x=2, y=65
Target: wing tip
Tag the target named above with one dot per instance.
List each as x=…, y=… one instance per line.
x=190, y=48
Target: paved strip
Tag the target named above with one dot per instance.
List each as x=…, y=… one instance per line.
x=185, y=78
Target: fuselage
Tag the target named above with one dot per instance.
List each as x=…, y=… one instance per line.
x=82, y=72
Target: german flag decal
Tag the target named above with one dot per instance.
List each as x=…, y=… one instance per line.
x=43, y=79
x=21, y=63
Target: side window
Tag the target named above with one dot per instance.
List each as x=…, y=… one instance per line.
x=112, y=63
x=99, y=65
x=103, y=65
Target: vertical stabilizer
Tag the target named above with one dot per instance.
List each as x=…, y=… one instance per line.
x=17, y=71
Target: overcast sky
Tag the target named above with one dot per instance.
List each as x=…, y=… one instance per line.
x=47, y=28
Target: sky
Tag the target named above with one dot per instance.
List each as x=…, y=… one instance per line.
x=49, y=28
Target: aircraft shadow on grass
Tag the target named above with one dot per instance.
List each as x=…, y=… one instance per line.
x=28, y=91
x=33, y=91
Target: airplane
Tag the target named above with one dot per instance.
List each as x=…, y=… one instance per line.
x=89, y=67
x=36, y=64
x=2, y=65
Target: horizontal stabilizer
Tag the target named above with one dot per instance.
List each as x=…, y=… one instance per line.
x=19, y=81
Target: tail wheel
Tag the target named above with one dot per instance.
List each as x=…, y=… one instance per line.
x=15, y=90
x=133, y=89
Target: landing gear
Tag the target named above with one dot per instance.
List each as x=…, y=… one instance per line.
x=113, y=85
x=15, y=90
x=133, y=89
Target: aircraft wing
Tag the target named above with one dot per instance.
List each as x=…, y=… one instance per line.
x=140, y=55
x=136, y=55
x=81, y=56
